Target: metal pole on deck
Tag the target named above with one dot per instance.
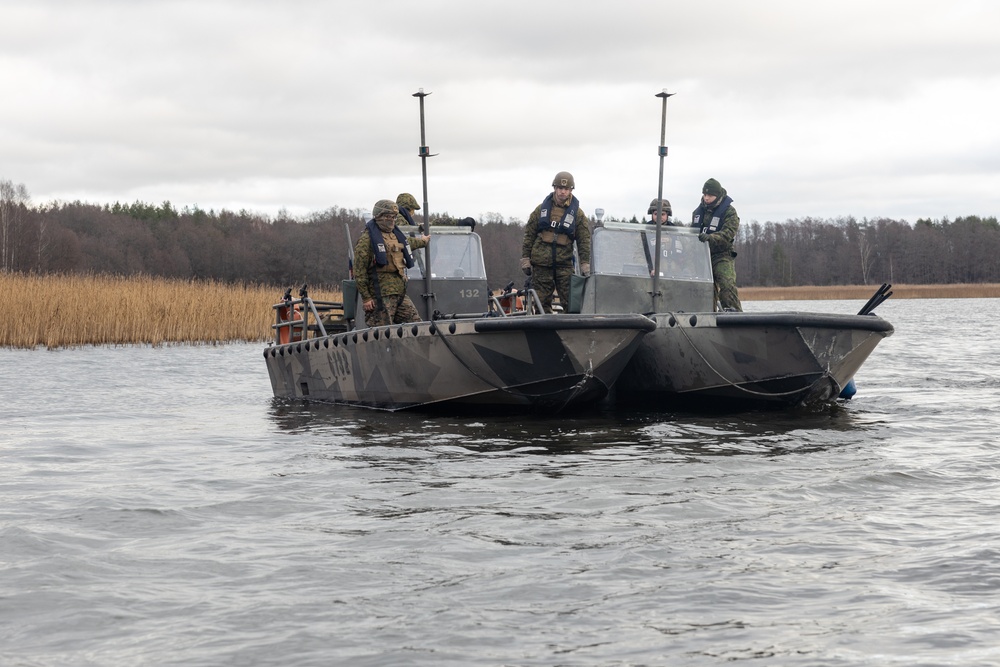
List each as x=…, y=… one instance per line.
x=425, y=153
x=659, y=204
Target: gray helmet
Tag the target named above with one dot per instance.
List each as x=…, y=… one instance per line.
x=407, y=201
x=656, y=203
x=564, y=179
x=383, y=206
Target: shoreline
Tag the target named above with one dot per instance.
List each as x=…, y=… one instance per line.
x=899, y=291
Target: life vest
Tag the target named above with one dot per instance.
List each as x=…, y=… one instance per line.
x=378, y=247
x=405, y=212
x=717, y=216
x=565, y=225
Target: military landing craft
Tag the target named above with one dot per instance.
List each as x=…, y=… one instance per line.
x=712, y=357
x=645, y=318
x=784, y=358
x=471, y=348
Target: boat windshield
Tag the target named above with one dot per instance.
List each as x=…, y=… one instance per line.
x=631, y=251
x=453, y=255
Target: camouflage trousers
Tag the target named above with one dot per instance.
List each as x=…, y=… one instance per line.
x=547, y=280
x=724, y=273
x=393, y=309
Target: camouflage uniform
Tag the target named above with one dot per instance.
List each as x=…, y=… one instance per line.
x=552, y=259
x=720, y=242
x=394, y=307
x=407, y=204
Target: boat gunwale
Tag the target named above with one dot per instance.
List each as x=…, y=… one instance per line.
x=809, y=320
x=566, y=322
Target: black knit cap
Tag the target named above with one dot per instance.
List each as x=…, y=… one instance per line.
x=712, y=187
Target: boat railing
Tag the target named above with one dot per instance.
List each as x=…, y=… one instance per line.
x=536, y=302
x=512, y=303
x=296, y=319
x=300, y=319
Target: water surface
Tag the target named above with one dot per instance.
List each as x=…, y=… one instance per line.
x=159, y=507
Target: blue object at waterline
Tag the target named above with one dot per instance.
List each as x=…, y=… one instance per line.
x=849, y=390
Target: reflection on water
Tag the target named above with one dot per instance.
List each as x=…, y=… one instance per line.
x=770, y=432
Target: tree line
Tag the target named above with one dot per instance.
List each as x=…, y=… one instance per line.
x=847, y=251
x=192, y=243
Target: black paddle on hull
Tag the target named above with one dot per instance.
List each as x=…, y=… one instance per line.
x=880, y=295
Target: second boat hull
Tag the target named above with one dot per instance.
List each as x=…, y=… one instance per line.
x=778, y=358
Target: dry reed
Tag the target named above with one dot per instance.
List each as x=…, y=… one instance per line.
x=73, y=310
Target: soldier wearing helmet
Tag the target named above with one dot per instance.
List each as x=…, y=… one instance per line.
x=407, y=204
x=552, y=229
x=381, y=257
x=672, y=248
x=662, y=205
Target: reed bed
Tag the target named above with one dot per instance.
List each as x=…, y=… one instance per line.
x=863, y=292
x=73, y=310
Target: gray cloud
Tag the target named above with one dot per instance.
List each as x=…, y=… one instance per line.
x=821, y=109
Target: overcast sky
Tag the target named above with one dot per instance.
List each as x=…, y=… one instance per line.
x=864, y=108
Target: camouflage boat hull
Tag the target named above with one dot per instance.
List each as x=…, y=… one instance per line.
x=784, y=358
x=776, y=358
x=543, y=361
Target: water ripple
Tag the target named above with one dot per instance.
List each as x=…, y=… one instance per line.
x=155, y=520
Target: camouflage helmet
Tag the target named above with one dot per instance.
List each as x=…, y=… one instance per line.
x=653, y=205
x=407, y=201
x=564, y=179
x=383, y=206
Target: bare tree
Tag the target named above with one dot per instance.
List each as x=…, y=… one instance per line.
x=866, y=251
x=7, y=194
x=14, y=201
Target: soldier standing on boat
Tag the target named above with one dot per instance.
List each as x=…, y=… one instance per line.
x=382, y=255
x=718, y=221
x=407, y=204
x=662, y=205
x=672, y=247
x=547, y=251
